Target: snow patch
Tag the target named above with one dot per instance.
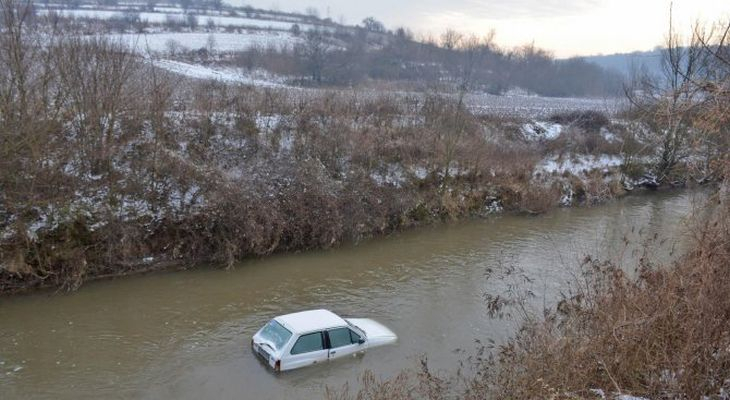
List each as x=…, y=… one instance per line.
x=519, y=92
x=224, y=42
x=609, y=136
x=420, y=172
x=578, y=164
x=228, y=75
x=180, y=18
x=394, y=175
x=535, y=131
x=602, y=395
x=566, y=200
x=494, y=205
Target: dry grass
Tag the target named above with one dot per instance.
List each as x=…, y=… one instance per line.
x=665, y=334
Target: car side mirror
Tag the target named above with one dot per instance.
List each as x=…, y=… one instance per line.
x=361, y=341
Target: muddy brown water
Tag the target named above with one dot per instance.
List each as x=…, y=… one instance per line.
x=185, y=335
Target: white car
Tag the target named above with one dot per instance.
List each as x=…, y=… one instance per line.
x=311, y=337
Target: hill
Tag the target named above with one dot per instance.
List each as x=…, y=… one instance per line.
x=627, y=63
x=306, y=50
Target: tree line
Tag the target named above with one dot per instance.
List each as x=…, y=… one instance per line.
x=368, y=52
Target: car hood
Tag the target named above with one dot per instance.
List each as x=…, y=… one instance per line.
x=377, y=334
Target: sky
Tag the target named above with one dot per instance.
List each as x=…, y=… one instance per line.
x=565, y=27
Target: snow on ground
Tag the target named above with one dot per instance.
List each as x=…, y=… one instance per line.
x=577, y=164
x=602, y=395
x=393, y=175
x=230, y=75
x=519, y=92
x=609, y=136
x=159, y=18
x=536, y=131
x=420, y=172
x=537, y=107
x=224, y=42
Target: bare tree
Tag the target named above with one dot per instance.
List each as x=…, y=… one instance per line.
x=314, y=50
x=714, y=116
x=668, y=103
x=211, y=46
x=295, y=30
x=192, y=21
x=451, y=39
x=473, y=51
x=455, y=122
x=373, y=25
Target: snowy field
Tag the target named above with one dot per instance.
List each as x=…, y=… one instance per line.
x=533, y=108
x=224, y=42
x=272, y=31
x=160, y=18
x=227, y=75
x=536, y=107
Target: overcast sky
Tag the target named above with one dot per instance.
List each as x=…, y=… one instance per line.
x=567, y=27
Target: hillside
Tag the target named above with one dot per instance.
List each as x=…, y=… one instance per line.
x=628, y=63
x=306, y=50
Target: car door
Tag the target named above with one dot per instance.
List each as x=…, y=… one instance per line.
x=343, y=342
x=308, y=349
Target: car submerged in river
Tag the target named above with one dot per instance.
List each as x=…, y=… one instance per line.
x=311, y=337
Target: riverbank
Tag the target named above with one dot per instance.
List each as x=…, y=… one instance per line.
x=527, y=203
x=228, y=183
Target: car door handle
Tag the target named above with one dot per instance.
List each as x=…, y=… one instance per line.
x=333, y=352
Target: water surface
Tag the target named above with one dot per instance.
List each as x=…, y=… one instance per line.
x=185, y=335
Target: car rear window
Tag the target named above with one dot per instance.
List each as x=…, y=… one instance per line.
x=275, y=333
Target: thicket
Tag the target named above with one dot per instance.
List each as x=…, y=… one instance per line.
x=683, y=112
x=358, y=56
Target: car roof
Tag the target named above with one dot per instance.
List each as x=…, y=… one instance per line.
x=308, y=321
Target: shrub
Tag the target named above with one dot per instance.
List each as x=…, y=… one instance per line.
x=588, y=121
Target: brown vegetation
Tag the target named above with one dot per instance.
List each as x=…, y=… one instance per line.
x=661, y=335
x=683, y=112
x=110, y=166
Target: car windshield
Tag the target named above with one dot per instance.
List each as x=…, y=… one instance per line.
x=356, y=328
x=275, y=333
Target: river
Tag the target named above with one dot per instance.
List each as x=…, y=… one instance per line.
x=185, y=335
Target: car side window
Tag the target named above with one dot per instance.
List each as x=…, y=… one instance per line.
x=308, y=343
x=339, y=337
x=354, y=336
